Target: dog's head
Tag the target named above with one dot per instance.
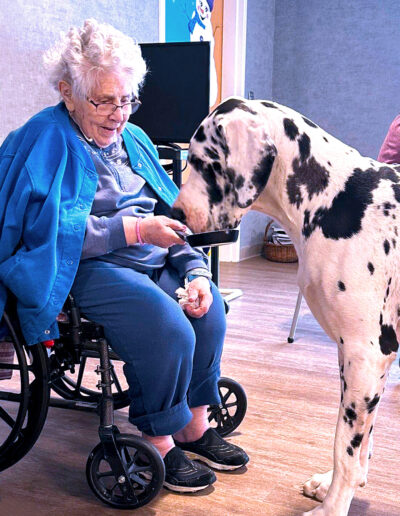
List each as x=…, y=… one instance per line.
x=231, y=158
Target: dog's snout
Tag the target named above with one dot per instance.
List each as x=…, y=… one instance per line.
x=178, y=214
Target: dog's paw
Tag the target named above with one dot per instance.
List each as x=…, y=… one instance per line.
x=322, y=510
x=318, y=511
x=317, y=487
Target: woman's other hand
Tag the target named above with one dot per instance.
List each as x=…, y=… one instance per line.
x=159, y=230
x=199, y=297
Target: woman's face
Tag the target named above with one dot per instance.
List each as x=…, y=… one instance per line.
x=104, y=129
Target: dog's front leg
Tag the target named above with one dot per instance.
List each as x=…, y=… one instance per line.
x=363, y=374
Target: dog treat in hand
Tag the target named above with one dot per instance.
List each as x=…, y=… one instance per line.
x=183, y=298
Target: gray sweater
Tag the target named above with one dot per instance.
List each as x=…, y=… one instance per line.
x=121, y=192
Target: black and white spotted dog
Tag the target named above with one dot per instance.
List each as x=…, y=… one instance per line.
x=342, y=212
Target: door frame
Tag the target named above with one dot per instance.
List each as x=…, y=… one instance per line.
x=233, y=77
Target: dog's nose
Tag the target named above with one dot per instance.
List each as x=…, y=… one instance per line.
x=178, y=214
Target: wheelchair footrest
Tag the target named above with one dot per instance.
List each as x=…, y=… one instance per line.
x=87, y=406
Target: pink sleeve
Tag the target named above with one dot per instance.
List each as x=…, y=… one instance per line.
x=390, y=150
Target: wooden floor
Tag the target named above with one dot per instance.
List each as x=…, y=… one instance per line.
x=293, y=395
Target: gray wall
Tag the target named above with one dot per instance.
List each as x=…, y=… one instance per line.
x=259, y=73
x=29, y=27
x=335, y=61
x=260, y=37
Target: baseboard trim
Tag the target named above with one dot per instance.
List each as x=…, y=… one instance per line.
x=250, y=251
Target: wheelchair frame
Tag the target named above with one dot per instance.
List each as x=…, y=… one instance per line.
x=123, y=470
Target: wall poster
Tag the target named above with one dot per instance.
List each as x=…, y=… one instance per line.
x=190, y=20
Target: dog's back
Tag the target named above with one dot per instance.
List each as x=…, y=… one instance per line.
x=342, y=211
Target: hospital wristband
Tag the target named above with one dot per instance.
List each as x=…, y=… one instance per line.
x=195, y=273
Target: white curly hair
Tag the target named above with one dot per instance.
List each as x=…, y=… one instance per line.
x=83, y=55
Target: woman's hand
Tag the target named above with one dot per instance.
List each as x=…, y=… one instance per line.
x=199, y=298
x=159, y=230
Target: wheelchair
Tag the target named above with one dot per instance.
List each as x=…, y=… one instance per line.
x=123, y=470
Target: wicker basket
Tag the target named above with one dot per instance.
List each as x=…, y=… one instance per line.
x=277, y=252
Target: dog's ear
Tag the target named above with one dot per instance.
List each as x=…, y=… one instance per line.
x=250, y=155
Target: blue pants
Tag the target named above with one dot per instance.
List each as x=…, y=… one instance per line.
x=172, y=362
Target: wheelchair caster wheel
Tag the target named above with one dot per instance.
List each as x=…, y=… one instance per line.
x=228, y=415
x=145, y=467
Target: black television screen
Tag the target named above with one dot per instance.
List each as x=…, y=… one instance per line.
x=176, y=91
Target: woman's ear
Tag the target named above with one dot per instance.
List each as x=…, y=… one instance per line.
x=66, y=93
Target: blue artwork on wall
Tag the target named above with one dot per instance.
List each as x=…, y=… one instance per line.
x=177, y=16
x=190, y=20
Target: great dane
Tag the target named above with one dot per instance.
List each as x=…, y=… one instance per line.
x=340, y=209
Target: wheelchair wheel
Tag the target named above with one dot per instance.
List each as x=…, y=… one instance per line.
x=228, y=415
x=142, y=461
x=24, y=396
x=81, y=386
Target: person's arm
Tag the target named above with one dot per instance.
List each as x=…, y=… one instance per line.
x=191, y=264
x=106, y=234
x=29, y=178
x=184, y=258
x=199, y=297
x=390, y=150
x=103, y=235
x=14, y=198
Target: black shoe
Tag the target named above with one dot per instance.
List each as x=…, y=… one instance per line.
x=185, y=476
x=215, y=451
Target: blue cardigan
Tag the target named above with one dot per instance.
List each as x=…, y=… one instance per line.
x=47, y=186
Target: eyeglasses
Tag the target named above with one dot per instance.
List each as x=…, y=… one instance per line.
x=108, y=108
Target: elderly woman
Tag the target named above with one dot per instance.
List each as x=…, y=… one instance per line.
x=84, y=206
